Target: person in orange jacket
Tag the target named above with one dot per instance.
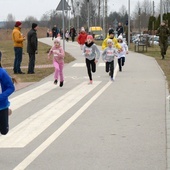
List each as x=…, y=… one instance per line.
x=18, y=39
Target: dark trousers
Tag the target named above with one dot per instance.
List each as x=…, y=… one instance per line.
x=18, y=59
x=72, y=38
x=163, y=47
x=91, y=67
x=31, y=63
x=110, y=68
x=4, y=126
x=121, y=62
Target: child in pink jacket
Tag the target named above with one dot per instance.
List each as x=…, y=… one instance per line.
x=58, y=61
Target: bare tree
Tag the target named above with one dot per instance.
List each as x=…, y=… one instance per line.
x=10, y=21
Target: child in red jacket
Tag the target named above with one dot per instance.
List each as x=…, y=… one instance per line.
x=82, y=37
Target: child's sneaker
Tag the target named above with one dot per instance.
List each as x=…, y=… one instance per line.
x=90, y=82
x=55, y=81
x=112, y=79
x=61, y=83
x=9, y=112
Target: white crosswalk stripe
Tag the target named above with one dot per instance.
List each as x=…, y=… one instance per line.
x=84, y=64
x=30, y=95
x=20, y=135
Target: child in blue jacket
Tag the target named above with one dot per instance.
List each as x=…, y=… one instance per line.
x=6, y=89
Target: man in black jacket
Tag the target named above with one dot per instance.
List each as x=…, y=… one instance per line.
x=32, y=45
x=119, y=29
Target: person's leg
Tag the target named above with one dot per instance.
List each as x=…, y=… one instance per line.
x=56, y=71
x=162, y=49
x=31, y=64
x=93, y=65
x=88, y=69
x=120, y=64
x=19, y=60
x=123, y=61
x=15, y=60
x=4, y=126
x=111, y=64
x=61, y=66
x=107, y=67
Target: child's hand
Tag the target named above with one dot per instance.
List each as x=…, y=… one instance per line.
x=127, y=52
x=95, y=61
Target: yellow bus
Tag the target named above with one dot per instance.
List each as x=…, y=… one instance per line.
x=97, y=32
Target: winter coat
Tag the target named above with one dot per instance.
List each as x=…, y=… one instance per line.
x=17, y=37
x=6, y=88
x=32, y=42
x=92, y=50
x=58, y=54
x=82, y=38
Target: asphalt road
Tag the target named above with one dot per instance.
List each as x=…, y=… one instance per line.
x=120, y=125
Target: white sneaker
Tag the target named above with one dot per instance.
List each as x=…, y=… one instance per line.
x=112, y=79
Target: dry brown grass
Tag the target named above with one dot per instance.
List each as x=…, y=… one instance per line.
x=6, y=47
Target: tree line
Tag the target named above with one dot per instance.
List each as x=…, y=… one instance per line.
x=144, y=17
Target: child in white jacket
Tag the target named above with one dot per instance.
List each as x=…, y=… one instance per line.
x=122, y=54
x=108, y=56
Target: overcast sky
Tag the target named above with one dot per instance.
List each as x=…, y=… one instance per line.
x=21, y=9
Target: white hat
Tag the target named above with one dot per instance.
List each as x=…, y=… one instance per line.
x=109, y=41
x=82, y=29
x=120, y=37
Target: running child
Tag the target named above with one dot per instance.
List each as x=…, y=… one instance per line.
x=121, y=55
x=92, y=55
x=58, y=61
x=108, y=56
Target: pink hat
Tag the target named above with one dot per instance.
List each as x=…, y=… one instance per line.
x=90, y=37
x=17, y=24
x=57, y=40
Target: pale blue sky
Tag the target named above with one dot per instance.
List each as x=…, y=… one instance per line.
x=21, y=9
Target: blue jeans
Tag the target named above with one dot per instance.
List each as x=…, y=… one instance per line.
x=4, y=126
x=18, y=59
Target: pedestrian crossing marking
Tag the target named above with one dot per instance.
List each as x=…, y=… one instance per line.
x=30, y=95
x=84, y=64
x=32, y=156
x=31, y=127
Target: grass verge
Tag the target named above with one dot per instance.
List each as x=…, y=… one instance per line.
x=41, y=59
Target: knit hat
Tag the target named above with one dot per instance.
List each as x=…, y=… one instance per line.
x=57, y=40
x=111, y=31
x=90, y=37
x=120, y=37
x=109, y=41
x=34, y=25
x=18, y=23
x=82, y=29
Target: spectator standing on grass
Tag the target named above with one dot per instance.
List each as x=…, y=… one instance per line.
x=18, y=40
x=163, y=33
x=32, y=45
x=58, y=61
